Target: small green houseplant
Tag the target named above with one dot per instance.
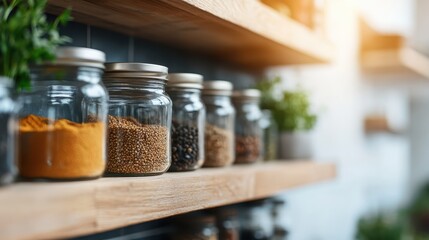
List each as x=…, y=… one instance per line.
x=291, y=109
x=381, y=226
x=27, y=37
x=411, y=222
x=291, y=112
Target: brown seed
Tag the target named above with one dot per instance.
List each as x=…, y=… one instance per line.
x=135, y=148
x=247, y=149
x=218, y=147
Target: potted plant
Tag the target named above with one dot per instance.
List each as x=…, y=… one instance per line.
x=419, y=212
x=26, y=37
x=383, y=226
x=291, y=112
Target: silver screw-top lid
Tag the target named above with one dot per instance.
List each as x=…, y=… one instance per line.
x=79, y=56
x=136, y=70
x=217, y=88
x=185, y=80
x=246, y=94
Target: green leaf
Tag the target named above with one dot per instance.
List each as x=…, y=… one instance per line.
x=26, y=37
x=290, y=109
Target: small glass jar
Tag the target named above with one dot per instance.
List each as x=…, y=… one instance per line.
x=195, y=227
x=139, y=119
x=248, y=131
x=62, y=121
x=187, y=130
x=279, y=231
x=253, y=221
x=228, y=224
x=7, y=136
x=270, y=135
x=219, y=129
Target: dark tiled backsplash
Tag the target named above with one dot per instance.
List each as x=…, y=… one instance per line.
x=115, y=45
x=122, y=48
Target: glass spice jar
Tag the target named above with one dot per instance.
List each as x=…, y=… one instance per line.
x=227, y=223
x=270, y=135
x=248, y=131
x=62, y=120
x=187, y=130
x=7, y=136
x=253, y=221
x=195, y=227
x=219, y=129
x=139, y=119
x=279, y=230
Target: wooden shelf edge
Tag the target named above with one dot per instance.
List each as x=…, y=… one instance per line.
x=405, y=61
x=291, y=34
x=58, y=210
x=243, y=33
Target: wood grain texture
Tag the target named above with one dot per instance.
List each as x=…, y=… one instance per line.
x=404, y=63
x=240, y=32
x=58, y=210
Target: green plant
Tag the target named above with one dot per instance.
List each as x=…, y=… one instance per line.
x=411, y=222
x=27, y=37
x=290, y=109
x=420, y=203
x=380, y=227
x=418, y=212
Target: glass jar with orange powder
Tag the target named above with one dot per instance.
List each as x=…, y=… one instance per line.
x=62, y=121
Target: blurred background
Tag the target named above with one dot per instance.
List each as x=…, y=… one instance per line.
x=372, y=104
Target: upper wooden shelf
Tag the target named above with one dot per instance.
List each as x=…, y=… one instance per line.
x=400, y=63
x=58, y=210
x=386, y=55
x=379, y=124
x=240, y=32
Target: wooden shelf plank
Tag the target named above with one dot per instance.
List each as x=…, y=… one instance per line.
x=240, y=32
x=379, y=124
x=57, y=210
x=401, y=63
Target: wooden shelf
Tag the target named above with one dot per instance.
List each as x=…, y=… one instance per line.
x=379, y=124
x=403, y=63
x=241, y=32
x=385, y=56
x=58, y=210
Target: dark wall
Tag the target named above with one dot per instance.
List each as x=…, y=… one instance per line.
x=119, y=47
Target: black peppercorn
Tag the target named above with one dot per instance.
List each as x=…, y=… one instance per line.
x=185, y=150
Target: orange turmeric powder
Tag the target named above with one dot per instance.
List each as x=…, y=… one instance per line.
x=60, y=149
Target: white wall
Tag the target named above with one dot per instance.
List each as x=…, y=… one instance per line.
x=419, y=137
x=418, y=130
x=420, y=38
x=388, y=16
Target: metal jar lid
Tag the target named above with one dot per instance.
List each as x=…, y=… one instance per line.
x=79, y=56
x=217, y=88
x=185, y=80
x=246, y=94
x=136, y=70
